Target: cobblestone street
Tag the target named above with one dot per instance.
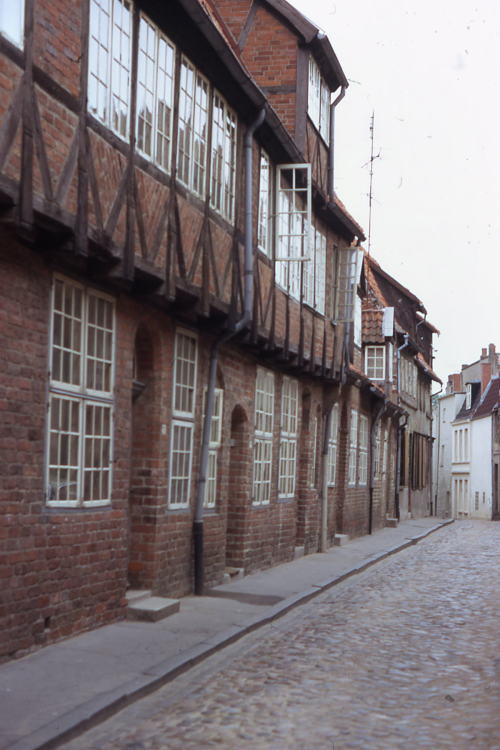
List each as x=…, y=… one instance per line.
x=406, y=655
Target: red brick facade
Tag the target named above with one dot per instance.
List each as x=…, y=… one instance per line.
x=80, y=204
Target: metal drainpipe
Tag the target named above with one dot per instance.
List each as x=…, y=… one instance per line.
x=438, y=447
x=323, y=542
x=400, y=427
x=331, y=151
x=373, y=437
x=214, y=355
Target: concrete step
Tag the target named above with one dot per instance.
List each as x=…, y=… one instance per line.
x=340, y=539
x=391, y=523
x=134, y=595
x=150, y=608
x=233, y=574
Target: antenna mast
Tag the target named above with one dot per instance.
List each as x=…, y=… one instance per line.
x=370, y=194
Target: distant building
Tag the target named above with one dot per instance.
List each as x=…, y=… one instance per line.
x=467, y=454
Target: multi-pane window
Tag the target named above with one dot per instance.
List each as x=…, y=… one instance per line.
x=110, y=63
x=193, y=128
x=350, y=263
x=155, y=94
x=363, y=450
x=461, y=444
x=332, y=446
x=408, y=377
x=223, y=158
x=314, y=444
x=264, y=225
x=378, y=452
x=293, y=224
x=12, y=20
x=375, y=362
x=353, y=448
x=181, y=437
x=315, y=272
x=263, y=438
x=318, y=106
x=81, y=396
x=288, y=441
x=213, y=449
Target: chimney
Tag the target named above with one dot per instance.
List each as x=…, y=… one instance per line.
x=485, y=375
x=493, y=360
x=484, y=353
x=454, y=383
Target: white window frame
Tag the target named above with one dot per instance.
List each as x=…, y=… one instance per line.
x=12, y=21
x=332, y=447
x=288, y=440
x=292, y=226
x=155, y=91
x=223, y=155
x=375, y=364
x=214, y=445
x=263, y=437
x=353, y=449
x=314, y=283
x=264, y=238
x=363, y=451
x=314, y=438
x=108, y=66
x=192, y=148
x=377, y=469
x=318, y=101
x=74, y=339
x=183, y=417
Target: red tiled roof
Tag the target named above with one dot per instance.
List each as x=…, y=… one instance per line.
x=372, y=323
x=490, y=399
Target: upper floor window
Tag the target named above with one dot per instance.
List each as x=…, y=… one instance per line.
x=223, y=158
x=293, y=225
x=264, y=224
x=408, y=377
x=155, y=94
x=318, y=102
x=375, y=362
x=12, y=20
x=109, y=63
x=468, y=396
x=315, y=273
x=81, y=396
x=349, y=266
x=363, y=450
x=193, y=128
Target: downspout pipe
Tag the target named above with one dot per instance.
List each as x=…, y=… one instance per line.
x=373, y=444
x=398, y=464
x=242, y=323
x=323, y=541
x=331, y=151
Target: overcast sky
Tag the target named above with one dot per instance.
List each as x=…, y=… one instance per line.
x=429, y=70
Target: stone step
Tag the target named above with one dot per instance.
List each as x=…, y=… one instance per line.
x=233, y=574
x=151, y=608
x=133, y=595
x=391, y=523
x=340, y=539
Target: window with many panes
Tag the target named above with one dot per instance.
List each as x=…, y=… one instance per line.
x=213, y=449
x=318, y=103
x=314, y=445
x=378, y=452
x=223, y=158
x=183, y=409
x=264, y=223
x=315, y=272
x=288, y=440
x=193, y=128
x=109, y=63
x=363, y=450
x=155, y=94
x=293, y=224
x=263, y=438
x=332, y=446
x=81, y=396
x=353, y=448
x=375, y=362
x=12, y=20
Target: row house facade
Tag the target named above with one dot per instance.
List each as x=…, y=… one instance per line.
x=184, y=389
x=467, y=430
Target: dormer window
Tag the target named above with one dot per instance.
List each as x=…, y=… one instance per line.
x=318, y=104
x=468, y=395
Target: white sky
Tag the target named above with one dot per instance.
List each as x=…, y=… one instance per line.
x=429, y=69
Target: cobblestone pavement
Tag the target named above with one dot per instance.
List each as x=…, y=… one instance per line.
x=406, y=655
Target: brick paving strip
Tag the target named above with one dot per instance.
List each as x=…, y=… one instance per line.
x=64, y=689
